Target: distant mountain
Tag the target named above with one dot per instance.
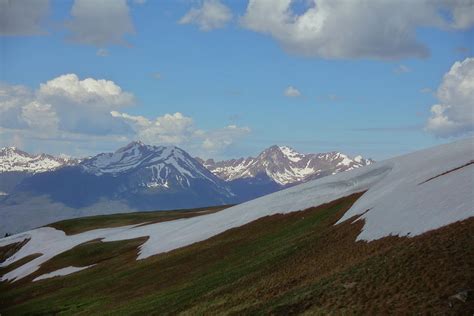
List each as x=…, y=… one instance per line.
x=278, y=167
x=144, y=177
x=133, y=178
x=14, y=160
x=16, y=165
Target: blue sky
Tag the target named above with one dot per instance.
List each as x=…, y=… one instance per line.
x=359, y=101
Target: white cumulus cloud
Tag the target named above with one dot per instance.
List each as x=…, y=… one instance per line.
x=220, y=139
x=178, y=129
x=173, y=129
x=355, y=29
x=87, y=92
x=40, y=117
x=292, y=92
x=65, y=104
x=454, y=114
x=212, y=14
x=69, y=110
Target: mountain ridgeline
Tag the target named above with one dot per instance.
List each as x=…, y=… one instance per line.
x=16, y=165
x=279, y=167
x=144, y=177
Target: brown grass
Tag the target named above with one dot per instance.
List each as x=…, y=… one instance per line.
x=9, y=250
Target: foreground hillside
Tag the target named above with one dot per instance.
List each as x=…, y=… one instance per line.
x=280, y=264
x=394, y=237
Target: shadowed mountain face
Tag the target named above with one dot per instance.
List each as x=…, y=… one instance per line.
x=146, y=177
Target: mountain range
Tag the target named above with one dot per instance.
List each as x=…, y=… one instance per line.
x=144, y=177
x=285, y=166
x=16, y=165
x=279, y=167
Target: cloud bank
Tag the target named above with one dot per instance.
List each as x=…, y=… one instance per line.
x=71, y=109
x=454, y=114
x=341, y=29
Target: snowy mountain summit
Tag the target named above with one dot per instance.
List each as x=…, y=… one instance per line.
x=157, y=166
x=285, y=166
x=134, y=177
x=141, y=177
x=14, y=160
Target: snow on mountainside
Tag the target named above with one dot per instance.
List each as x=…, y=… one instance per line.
x=404, y=196
x=285, y=166
x=159, y=164
x=15, y=160
x=137, y=177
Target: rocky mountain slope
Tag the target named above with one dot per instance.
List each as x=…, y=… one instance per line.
x=279, y=167
x=285, y=166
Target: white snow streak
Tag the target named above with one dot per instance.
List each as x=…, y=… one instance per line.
x=61, y=272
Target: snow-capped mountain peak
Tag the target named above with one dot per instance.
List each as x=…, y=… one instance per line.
x=285, y=166
x=291, y=154
x=152, y=166
x=13, y=159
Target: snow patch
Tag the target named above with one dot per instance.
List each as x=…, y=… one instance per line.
x=291, y=154
x=61, y=272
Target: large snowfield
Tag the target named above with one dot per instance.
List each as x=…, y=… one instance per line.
x=405, y=196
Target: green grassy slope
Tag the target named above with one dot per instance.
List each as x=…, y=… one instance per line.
x=280, y=264
x=79, y=225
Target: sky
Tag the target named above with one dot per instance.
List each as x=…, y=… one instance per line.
x=226, y=79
